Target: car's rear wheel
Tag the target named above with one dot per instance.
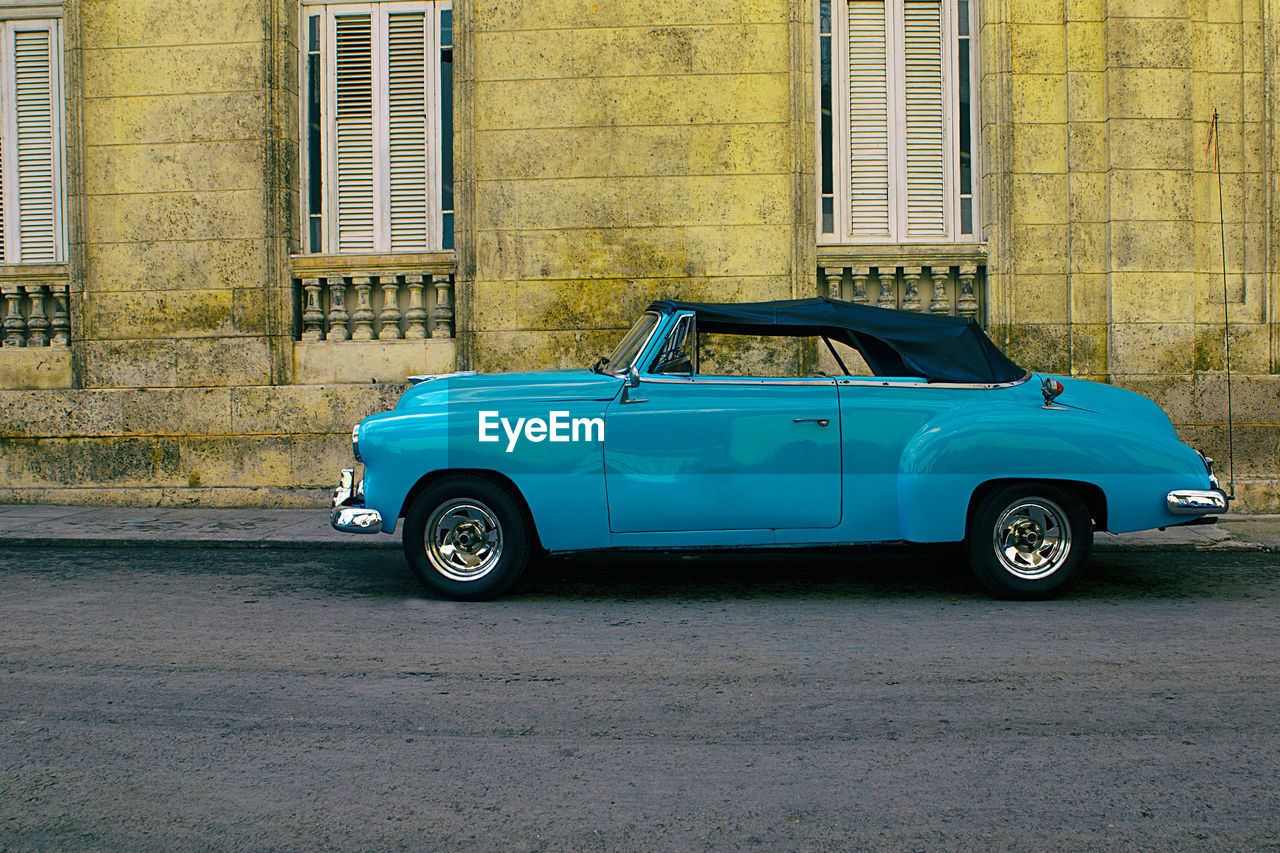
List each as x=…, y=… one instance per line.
x=1029, y=540
x=466, y=538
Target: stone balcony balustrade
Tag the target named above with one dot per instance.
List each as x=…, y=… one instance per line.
x=372, y=317
x=377, y=297
x=35, y=311
x=936, y=279
x=35, y=327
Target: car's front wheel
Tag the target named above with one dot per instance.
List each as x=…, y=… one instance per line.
x=466, y=538
x=1029, y=540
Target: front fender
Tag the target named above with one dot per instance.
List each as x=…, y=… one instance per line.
x=952, y=456
x=397, y=449
x=562, y=482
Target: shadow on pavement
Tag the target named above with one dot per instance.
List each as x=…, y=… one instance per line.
x=905, y=573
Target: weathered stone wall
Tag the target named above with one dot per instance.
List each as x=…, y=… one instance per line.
x=1103, y=208
x=182, y=206
x=215, y=446
x=172, y=223
x=612, y=152
x=623, y=152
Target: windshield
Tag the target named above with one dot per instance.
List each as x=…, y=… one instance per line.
x=625, y=352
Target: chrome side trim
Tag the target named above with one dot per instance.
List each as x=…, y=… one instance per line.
x=880, y=383
x=427, y=377
x=1195, y=501
x=733, y=380
x=870, y=382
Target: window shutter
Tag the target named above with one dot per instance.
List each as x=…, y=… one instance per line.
x=407, y=131
x=868, y=119
x=35, y=99
x=353, y=117
x=925, y=171
x=4, y=240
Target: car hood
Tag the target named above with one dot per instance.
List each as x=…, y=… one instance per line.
x=1112, y=402
x=549, y=385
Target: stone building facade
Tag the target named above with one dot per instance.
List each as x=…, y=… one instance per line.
x=264, y=214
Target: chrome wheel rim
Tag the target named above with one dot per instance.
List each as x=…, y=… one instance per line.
x=1032, y=538
x=463, y=540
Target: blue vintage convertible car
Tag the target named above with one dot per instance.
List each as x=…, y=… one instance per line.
x=795, y=423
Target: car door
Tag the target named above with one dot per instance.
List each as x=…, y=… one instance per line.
x=700, y=453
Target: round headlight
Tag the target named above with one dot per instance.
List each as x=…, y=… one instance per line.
x=355, y=442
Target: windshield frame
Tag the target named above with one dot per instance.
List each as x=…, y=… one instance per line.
x=633, y=337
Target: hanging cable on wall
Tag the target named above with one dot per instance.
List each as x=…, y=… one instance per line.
x=1226, y=321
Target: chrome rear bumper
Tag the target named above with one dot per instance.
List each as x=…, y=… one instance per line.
x=1196, y=501
x=349, y=514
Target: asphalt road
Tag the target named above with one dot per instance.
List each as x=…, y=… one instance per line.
x=231, y=699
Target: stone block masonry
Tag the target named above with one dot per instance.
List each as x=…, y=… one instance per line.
x=605, y=154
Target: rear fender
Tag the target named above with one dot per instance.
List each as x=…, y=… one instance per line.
x=948, y=460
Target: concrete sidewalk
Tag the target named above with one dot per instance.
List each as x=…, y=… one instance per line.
x=282, y=528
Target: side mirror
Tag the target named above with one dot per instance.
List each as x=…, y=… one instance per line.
x=633, y=377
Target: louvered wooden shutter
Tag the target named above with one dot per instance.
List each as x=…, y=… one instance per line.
x=868, y=119
x=407, y=41
x=4, y=240
x=31, y=162
x=925, y=131
x=353, y=144
x=35, y=98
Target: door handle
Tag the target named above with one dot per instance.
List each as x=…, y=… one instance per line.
x=819, y=421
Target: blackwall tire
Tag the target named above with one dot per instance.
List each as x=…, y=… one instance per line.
x=466, y=538
x=1028, y=541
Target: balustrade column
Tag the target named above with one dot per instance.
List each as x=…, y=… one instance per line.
x=415, y=315
x=362, y=317
x=390, y=316
x=940, y=303
x=61, y=323
x=338, y=309
x=967, y=301
x=888, y=283
x=834, y=276
x=15, y=326
x=312, y=316
x=860, y=279
x=911, y=288
x=442, y=314
x=37, y=320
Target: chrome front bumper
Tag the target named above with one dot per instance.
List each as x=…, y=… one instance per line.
x=1196, y=501
x=350, y=515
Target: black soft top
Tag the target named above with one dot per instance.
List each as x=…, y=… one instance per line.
x=893, y=343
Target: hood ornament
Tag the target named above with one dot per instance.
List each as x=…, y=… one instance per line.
x=1051, y=389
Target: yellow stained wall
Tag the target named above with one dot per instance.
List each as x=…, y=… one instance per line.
x=171, y=235
x=623, y=152
x=610, y=152
x=1106, y=258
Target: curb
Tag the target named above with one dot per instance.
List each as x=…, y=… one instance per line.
x=245, y=544
x=361, y=543
x=1186, y=546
